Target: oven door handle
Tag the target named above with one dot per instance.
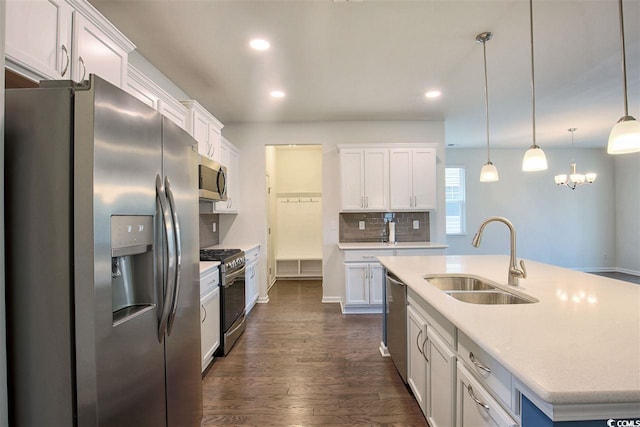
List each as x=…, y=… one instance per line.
x=230, y=278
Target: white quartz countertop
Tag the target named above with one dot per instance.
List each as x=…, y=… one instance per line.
x=205, y=266
x=385, y=245
x=580, y=344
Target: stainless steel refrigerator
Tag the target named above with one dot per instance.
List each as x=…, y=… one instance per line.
x=101, y=207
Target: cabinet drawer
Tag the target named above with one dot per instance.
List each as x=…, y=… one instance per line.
x=252, y=254
x=366, y=255
x=209, y=281
x=475, y=406
x=497, y=379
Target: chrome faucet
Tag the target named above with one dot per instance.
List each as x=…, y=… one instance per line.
x=515, y=272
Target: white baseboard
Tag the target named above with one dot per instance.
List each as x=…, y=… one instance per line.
x=384, y=351
x=627, y=271
x=263, y=300
x=329, y=300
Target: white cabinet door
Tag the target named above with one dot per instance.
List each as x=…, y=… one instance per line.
x=174, y=111
x=214, y=143
x=400, y=187
x=352, y=179
x=376, y=179
x=38, y=37
x=423, y=176
x=475, y=406
x=230, y=157
x=95, y=52
x=251, y=286
x=209, y=325
x=416, y=359
x=200, y=132
x=376, y=283
x=442, y=380
x=412, y=178
x=357, y=283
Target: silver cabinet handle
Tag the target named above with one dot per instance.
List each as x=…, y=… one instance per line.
x=366, y=202
x=478, y=364
x=205, y=313
x=367, y=257
x=66, y=66
x=418, y=343
x=362, y=201
x=84, y=68
x=424, y=351
x=475, y=399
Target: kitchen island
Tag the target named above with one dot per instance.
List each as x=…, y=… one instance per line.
x=574, y=354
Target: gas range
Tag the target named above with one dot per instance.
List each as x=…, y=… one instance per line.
x=230, y=259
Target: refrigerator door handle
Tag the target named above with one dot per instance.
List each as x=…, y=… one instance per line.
x=169, y=267
x=178, y=253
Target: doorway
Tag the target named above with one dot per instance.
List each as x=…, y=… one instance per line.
x=294, y=217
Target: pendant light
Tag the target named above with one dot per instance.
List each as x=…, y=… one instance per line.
x=625, y=134
x=574, y=179
x=489, y=173
x=534, y=158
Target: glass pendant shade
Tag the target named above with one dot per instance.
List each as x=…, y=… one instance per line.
x=489, y=173
x=625, y=136
x=561, y=179
x=534, y=160
x=590, y=177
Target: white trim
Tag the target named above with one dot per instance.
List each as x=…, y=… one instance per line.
x=391, y=145
x=331, y=300
x=627, y=271
x=95, y=17
x=263, y=300
x=384, y=351
x=361, y=309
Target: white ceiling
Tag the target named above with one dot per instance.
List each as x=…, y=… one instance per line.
x=374, y=60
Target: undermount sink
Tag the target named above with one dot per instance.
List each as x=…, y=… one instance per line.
x=474, y=290
x=489, y=297
x=459, y=283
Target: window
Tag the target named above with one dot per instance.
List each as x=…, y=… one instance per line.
x=454, y=197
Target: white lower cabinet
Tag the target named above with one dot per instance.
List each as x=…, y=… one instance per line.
x=363, y=287
x=441, y=376
x=475, y=406
x=417, y=362
x=251, y=278
x=209, y=325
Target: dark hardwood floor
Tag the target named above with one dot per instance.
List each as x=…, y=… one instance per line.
x=303, y=363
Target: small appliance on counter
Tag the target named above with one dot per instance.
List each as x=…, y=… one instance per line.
x=232, y=294
x=392, y=231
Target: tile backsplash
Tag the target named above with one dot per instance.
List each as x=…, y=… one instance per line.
x=375, y=226
x=207, y=236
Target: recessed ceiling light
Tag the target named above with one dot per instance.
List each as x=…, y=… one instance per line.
x=259, y=44
x=433, y=94
x=277, y=94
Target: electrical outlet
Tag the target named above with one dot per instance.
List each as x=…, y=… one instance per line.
x=361, y=225
x=214, y=227
x=416, y=224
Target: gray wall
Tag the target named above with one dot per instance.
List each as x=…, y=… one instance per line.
x=3, y=341
x=555, y=225
x=628, y=212
x=249, y=225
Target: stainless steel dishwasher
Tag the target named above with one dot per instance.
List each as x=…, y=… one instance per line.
x=397, y=323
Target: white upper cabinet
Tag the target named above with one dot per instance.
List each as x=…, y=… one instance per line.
x=147, y=91
x=95, y=52
x=412, y=174
x=205, y=129
x=38, y=38
x=60, y=39
x=230, y=157
x=364, y=179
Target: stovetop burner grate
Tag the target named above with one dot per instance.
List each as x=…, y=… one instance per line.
x=218, y=254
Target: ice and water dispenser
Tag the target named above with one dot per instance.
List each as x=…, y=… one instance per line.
x=131, y=266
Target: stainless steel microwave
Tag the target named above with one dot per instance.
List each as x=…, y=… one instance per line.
x=212, y=182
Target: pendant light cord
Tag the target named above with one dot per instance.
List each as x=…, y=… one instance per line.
x=624, y=61
x=486, y=95
x=533, y=80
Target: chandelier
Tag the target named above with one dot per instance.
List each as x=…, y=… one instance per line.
x=574, y=179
